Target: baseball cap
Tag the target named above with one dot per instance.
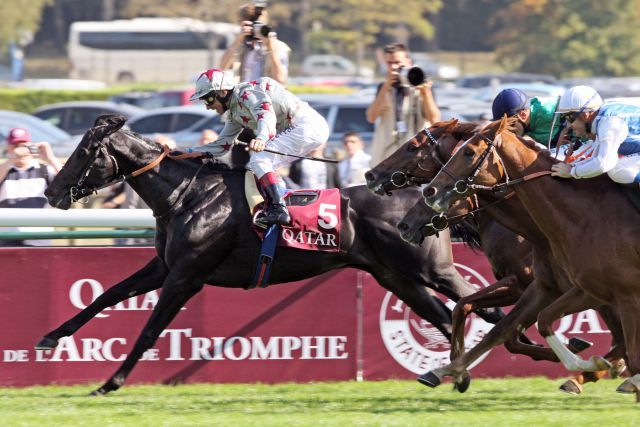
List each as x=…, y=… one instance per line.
x=18, y=135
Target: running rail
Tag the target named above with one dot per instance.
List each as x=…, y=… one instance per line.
x=123, y=218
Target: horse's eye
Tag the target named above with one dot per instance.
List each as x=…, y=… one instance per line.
x=95, y=145
x=468, y=152
x=83, y=152
x=412, y=148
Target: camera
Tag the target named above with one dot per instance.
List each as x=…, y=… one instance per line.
x=33, y=149
x=259, y=27
x=411, y=76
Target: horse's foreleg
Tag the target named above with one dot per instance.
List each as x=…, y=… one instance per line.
x=176, y=291
x=146, y=279
x=572, y=301
x=500, y=294
x=521, y=317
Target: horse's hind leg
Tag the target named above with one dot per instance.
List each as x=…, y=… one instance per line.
x=146, y=279
x=177, y=289
x=572, y=301
x=627, y=306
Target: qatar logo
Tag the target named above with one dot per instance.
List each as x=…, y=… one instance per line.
x=416, y=344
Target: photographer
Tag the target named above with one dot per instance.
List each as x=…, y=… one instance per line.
x=400, y=108
x=23, y=178
x=257, y=47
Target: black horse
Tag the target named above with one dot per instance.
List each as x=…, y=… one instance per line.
x=203, y=236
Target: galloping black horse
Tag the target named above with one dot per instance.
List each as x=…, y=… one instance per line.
x=203, y=236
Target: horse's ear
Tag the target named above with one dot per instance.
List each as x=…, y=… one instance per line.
x=504, y=123
x=451, y=125
x=107, y=124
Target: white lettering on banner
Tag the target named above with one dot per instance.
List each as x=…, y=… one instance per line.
x=325, y=213
x=588, y=318
x=148, y=302
x=309, y=237
x=216, y=348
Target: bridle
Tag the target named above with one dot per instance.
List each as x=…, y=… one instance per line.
x=401, y=178
x=80, y=192
x=463, y=185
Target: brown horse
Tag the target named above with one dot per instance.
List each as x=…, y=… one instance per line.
x=578, y=238
x=511, y=256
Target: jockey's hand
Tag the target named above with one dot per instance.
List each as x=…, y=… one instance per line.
x=256, y=145
x=562, y=170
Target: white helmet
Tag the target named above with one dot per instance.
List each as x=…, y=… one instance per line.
x=579, y=98
x=212, y=80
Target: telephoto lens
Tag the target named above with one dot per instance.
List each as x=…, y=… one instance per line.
x=413, y=76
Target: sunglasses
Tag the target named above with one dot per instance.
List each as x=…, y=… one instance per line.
x=571, y=117
x=209, y=100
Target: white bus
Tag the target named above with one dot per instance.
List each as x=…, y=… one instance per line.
x=172, y=50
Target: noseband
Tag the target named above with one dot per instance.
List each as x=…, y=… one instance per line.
x=401, y=179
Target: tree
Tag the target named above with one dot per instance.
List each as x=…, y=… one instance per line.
x=21, y=19
x=577, y=38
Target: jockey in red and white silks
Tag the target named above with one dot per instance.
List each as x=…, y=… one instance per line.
x=615, y=130
x=281, y=122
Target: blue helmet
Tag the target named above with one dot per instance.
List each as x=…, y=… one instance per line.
x=509, y=102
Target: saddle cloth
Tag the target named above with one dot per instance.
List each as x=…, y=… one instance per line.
x=315, y=217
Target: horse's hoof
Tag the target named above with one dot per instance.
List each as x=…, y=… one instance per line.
x=601, y=363
x=571, y=386
x=46, y=343
x=99, y=392
x=626, y=387
x=577, y=345
x=462, y=383
x=429, y=379
x=618, y=368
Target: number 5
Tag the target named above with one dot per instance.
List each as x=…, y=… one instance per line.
x=327, y=219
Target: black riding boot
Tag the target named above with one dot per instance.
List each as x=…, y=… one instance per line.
x=276, y=212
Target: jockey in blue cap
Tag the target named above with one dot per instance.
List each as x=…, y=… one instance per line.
x=615, y=130
x=535, y=114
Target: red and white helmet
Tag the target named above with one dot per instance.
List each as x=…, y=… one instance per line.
x=212, y=80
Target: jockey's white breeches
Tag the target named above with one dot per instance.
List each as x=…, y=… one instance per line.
x=308, y=131
x=627, y=170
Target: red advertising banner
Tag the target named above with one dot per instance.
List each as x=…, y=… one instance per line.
x=338, y=326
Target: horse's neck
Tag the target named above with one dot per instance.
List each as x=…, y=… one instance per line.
x=552, y=205
x=512, y=215
x=161, y=186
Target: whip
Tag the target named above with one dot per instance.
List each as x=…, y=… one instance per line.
x=315, y=159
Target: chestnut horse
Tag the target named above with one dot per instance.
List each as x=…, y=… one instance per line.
x=511, y=256
x=582, y=221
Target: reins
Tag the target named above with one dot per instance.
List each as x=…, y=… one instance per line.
x=442, y=221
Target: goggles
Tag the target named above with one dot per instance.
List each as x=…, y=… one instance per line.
x=571, y=116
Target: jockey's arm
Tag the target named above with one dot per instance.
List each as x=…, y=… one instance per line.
x=612, y=131
x=258, y=103
x=224, y=142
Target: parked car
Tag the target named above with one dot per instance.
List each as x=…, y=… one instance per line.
x=182, y=124
x=433, y=68
x=483, y=80
x=149, y=100
x=332, y=65
x=78, y=116
x=62, y=143
x=531, y=89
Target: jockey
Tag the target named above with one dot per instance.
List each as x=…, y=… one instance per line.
x=280, y=120
x=615, y=129
x=536, y=114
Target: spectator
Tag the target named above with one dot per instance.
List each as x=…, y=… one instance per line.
x=207, y=136
x=399, y=111
x=258, y=56
x=23, y=179
x=312, y=174
x=356, y=164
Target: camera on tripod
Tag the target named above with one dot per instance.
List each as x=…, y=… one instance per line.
x=411, y=76
x=259, y=27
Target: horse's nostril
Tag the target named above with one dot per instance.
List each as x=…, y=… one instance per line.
x=403, y=226
x=369, y=176
x=430, y=192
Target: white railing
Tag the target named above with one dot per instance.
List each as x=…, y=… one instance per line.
x=77, y=218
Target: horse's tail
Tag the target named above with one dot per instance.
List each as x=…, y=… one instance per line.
x=467, y=231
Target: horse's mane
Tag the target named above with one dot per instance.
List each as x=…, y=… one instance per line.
x=468, y=233
x=465, y=130
x=533, y=145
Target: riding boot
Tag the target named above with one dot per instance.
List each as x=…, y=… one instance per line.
x=276, y=212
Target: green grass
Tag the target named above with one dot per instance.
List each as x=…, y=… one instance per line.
x=504, y=402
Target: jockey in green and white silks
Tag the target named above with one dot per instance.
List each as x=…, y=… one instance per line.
x=281, y=121
x=615, y=130
x=536, y=114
